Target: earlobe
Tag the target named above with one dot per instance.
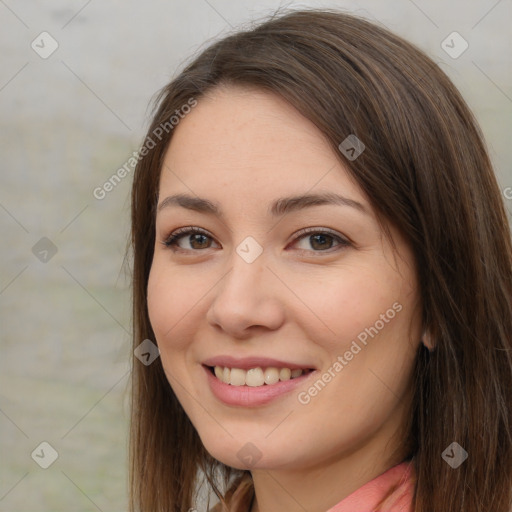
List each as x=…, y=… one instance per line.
x=426, y=339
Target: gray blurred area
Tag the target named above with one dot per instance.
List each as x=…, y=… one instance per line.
x=70, y=119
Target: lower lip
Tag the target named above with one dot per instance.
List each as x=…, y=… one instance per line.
x=247, y=396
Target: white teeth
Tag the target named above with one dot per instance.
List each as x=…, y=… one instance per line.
x=271, y=376
x=285, y=374
x=237, y=377
x=255, y=377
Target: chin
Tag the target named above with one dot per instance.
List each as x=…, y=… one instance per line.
x=249, y=455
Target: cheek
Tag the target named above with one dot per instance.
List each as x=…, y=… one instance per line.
x=344, y=307
x=170, y=305
x=373, y=322
x=169, y=301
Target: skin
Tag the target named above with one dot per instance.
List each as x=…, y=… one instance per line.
x=301, y=300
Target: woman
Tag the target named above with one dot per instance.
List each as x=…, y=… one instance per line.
x=323, y=259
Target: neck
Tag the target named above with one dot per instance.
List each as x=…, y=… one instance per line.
x=318, y=488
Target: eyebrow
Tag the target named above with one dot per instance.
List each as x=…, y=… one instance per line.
x=279, y=207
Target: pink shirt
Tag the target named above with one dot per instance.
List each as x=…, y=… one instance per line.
x=392, y=491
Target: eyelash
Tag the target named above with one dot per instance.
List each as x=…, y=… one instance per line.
x=171, y=241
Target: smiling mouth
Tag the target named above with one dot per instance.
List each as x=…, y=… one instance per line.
x=256, y=377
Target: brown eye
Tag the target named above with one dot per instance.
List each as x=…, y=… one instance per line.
x=195, y=237
x=320, y=240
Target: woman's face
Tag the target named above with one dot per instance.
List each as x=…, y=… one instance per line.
x=256, y=297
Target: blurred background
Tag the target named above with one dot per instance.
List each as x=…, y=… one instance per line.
x=76, y=79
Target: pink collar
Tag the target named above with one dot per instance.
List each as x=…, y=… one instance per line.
x=392, y=491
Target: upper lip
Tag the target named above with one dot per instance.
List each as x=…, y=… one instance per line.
x=246, y=363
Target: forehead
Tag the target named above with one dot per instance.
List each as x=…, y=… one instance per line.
x=250, y=141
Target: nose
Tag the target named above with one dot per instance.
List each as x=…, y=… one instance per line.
x=248, y=297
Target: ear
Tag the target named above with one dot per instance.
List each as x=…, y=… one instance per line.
x=427, y=340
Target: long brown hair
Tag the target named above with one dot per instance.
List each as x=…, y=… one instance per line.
x=426, y=170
